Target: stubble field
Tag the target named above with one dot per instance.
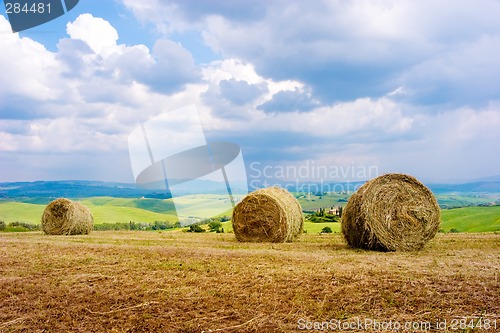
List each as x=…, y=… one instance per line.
x=179, y=282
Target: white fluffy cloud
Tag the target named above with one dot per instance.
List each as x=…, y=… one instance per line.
x=27, y=68
x=86, y=97
x=96, y=32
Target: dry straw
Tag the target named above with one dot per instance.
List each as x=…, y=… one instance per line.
x=268, y=215
x=66, y=217
x=393, y=212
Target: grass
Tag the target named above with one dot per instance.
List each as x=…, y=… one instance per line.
x=462, y=200
x=315, y=202
x=113, y=210
x=15, y=229
x=309, y=227
x=23, y=212
x=179, y=282
x=315, y=228
x=102, y=212
x=204, y=205
x=153, y=205
x=471, y=219
x=108, y=214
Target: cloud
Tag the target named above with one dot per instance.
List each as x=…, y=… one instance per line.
x=95, y=31
x=107, y=166
x=27, y=68
x=353, y=49
x=75, y=57
x=174, y=16
x=234, y=89
x=87, y=96
x=463, y=75
x=165, y=69
x=390, y=82
x=292, y=136
x=458, y=144
x=174, y=67
x=408, y=87
x=240, y=92
x=289, y=100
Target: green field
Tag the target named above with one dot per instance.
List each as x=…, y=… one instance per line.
x=123, y=210
x=22, y=212
x=153, y=205
x=104, y=210
x=309, y=227
x=471, y=219
x=313, y=202
x=448, y=201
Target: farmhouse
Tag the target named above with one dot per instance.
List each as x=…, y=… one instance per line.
x=334, y=211
x=337, y=211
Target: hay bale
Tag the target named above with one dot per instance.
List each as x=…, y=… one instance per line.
x=393, y=212
x=268, y=215
x=66, y=217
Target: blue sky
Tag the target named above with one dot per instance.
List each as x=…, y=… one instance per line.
x=404, y=86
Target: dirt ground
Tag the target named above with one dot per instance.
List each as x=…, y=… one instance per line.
x=134, y=281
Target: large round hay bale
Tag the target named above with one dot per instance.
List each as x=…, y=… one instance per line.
x=393, y=212
x=66, y=217
x=268, y=215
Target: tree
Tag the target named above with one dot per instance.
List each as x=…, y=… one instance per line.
x=161, y=225
x=195, y=228
x=326, y=230
x=215, y=226
x=321, y=212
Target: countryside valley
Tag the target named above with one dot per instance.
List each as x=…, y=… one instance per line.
x=469, y=207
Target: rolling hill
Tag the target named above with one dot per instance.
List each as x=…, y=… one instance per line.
x=123, y=210
x=102, y=212
x=118, y=202
x=471, y=219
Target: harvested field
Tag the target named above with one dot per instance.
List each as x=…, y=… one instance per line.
x=178, y=282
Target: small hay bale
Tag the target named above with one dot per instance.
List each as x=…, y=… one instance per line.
x=393, y=212
x=268, y=215
x=66, y=217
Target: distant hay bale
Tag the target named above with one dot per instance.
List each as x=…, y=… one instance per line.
x=268, y=215
x=66, y=217
x=393, y=212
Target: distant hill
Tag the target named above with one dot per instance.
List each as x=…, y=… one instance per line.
x=103, y=211
x=349, y=187
x=76, y=189
x=85, y=189
x=471, y=219
x=488, y=179
x=481, y=187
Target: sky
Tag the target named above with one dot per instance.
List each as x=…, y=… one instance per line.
x=343, y=86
